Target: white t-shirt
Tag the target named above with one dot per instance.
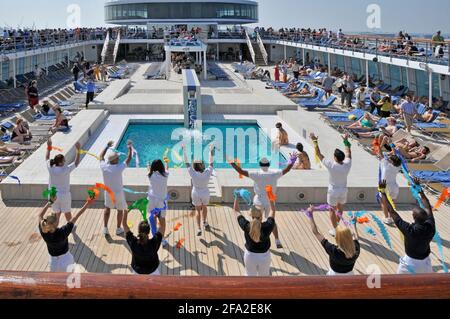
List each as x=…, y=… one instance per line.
x=60, y=177
x=200, y=181
x=158, y=186
x=263, y=179
x=112, y=176
x=338, y=173
x=389, y=173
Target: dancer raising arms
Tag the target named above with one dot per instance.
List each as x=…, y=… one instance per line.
x=257, y=256
x=157, y=193
x=344, y=255
x=263, y=178
x=200, y=192
x=418, y=235
x=112, y=176
x=144, y=251
x=60, y=179
x=56, y=238
x=338, y=170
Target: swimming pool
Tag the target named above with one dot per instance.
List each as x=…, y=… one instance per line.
x=244, y=141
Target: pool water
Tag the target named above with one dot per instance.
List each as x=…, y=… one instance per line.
x=246, y=142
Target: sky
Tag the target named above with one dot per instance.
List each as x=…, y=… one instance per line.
x=386, y=16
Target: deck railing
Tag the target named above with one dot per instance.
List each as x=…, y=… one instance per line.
x=250, y=46
x=262, y=48
x=16, y=285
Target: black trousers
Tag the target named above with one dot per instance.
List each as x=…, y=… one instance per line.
x=89, y=98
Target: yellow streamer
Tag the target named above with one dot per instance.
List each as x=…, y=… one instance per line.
x=83, y=152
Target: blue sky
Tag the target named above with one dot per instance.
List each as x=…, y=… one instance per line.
x=414, y=16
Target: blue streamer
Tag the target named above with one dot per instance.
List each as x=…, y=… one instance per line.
x=245, y=195
x=130, y=191
x=370, y=231
x=10, y=176
x=156, y=212
x=438, y=240
x=383, y=230
x=415, y=189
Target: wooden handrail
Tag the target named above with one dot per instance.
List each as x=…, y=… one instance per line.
x=19, y=285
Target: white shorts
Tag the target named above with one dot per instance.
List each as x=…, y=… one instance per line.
x=332, y=273
x=61, y=263
x=200, y=197
x=63, y=203
x=412, y=266
x=264, y=205
x=394, y=190
x=155, y=203
x=121, y=202
x=155, y=273
x=337, y=196
x=257, y=264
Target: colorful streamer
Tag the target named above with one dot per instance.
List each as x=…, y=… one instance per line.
x=270, y=194
x=370, y=231
x=140, y=205
x=177, y=157
x=177, y=227
x=238, y=164
x=130, y=191
x=11, y=176
x=165, y=156
x=108, y=190
x=54, y=148
x=383, y=229
x=245, y=195
x=135, y=154
x=444, y=196
x=84, y=152
x=93, y=194
x=320, y=208
x=438, y=240
x=50, y=193
x=180, y=243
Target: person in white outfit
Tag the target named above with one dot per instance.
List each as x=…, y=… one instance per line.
x=418, y=235
x=112, y=176
x=59, y=174
x=345, y=253
x=390, y=168
x=257, y=257
x=157, y=193
x=56, y=238
x=200, y=176
x=338, y=170
x=263, y=178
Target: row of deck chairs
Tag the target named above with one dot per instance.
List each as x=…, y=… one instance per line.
x=155, y=71
x=217, y=71
x=13, y=99
x=119, y=71
x=249, y=70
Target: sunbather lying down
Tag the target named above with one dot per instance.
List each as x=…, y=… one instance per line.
x=305, y=92
x=366, y=123
x=410, y=150
x=426, y=117
x=383, y=133
x=9, y=151
x=8, y=160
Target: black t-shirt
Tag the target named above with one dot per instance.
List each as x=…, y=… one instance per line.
x=145, y=259
x=266, y=230
x=338, y=262
x=57, y=242
x=417, y=237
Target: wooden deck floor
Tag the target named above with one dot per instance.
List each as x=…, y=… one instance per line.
x=217, y=253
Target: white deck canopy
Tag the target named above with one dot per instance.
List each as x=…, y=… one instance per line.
x=187, y=46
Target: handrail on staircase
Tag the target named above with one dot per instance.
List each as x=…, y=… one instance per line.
x=105, y=47
x=116, y=47
x=262, y=48
x=250, y=46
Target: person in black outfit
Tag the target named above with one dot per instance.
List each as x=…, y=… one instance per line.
x=57, y=238
x=144, y=251
x=418, y=235
x=257, y=256
x=344, y=255
x=76, y=72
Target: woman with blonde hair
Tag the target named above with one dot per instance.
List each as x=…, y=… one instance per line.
x=257, y=258
x=345, y=253
x=57, y=238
